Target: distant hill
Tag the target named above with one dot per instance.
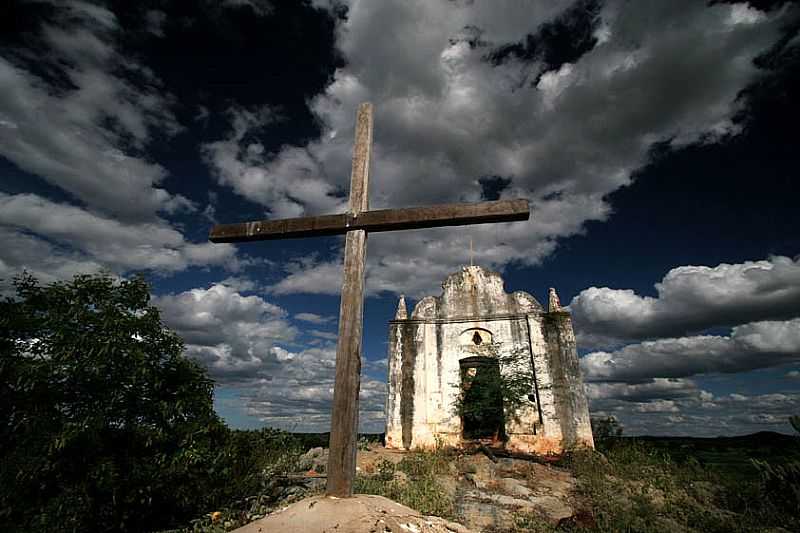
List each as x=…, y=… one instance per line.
x=760, y=437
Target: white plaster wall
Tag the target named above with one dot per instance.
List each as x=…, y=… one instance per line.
x=394, y=436
x=437, y=391
x=550, y=427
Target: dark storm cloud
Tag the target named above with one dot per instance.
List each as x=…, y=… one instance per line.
x=656, y=389
x=645, y=384
x=55, y=241
x=562, y=40
x=559, y=102
x=101, y=109
x=80, y=114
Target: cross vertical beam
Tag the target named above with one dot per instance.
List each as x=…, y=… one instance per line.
x=344, y=418
x=355, y=224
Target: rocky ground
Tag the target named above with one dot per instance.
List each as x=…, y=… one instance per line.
x=488, y=493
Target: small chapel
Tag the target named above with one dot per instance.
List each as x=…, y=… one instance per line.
x=474, y=328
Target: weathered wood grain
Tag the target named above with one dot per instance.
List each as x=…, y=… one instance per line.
x=374, y=221
x=344, y=417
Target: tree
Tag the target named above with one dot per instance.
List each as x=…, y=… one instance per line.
x=104, y=424
x=606, y=427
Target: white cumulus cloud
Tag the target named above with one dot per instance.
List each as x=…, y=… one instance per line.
x=231, y=334
x=750, y=346
x=690, y=299
x=299, y=395
x=55, y=240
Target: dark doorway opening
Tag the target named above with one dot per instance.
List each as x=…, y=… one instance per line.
x=482, y=400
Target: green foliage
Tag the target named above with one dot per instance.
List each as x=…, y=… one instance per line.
x=425, y=463
x=638, y=487
x=511, y=386
x=781, y=481
x=419, y=488
x=104, y=425
x=385, y=470
x=249, y=462
x=248, y=483
x=531, y=523
x=605, y=428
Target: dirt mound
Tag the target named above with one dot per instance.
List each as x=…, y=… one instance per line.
x=359, y=514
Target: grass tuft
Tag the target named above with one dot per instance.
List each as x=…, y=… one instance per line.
x=418, y=488
x=638, y=487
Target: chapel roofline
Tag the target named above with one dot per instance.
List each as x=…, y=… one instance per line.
x=472, y=318
x=476, y=287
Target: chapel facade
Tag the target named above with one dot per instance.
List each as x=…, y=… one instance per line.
x=476, y=329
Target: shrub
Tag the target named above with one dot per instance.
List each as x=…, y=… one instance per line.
x=781, y=482
x=250, y=461
x=636, y=486
x=104, y=424
x=494, y=393
x=605, y=428
x=425, y=464
x=421, y=491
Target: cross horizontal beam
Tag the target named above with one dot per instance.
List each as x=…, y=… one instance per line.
x=378, y=220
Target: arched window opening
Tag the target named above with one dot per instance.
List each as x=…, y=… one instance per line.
x=475, y=337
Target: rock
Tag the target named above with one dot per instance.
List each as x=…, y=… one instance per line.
x=400, y=476
x=513, y=487
x=554, y=486
x=314, y=459
x=553, y=509
x=509, y=501
x=512, y=467
x=484, y=468
x=479, y=483
x=359, y=514
x=449, y=485
x=483, y=516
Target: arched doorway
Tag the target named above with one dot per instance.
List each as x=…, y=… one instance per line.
x=481, y=404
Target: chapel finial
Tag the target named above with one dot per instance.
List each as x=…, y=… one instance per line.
x=402, y=312
x=554, y=304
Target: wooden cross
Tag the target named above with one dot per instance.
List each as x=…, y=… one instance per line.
x=355, y=224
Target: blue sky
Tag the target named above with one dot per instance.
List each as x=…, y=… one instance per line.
x=654, y=140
